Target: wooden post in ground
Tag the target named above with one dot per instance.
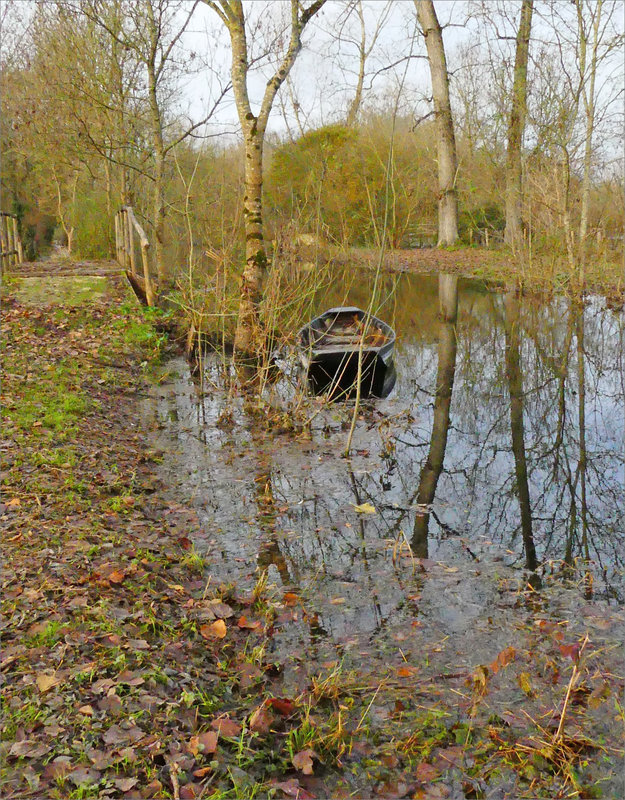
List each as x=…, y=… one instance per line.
x=117, y=237
x=10, y=242
x=145, y=245
x=3, y=241
x=19, y=257
x=131, y=249
x=126, y=230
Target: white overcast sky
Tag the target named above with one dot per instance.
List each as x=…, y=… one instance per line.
x=323, y=78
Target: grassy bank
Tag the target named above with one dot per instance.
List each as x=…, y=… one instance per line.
x=605, y=275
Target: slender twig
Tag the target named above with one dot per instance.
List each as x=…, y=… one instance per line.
x=574, y=677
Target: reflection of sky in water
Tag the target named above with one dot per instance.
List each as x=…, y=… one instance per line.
x=288, y=504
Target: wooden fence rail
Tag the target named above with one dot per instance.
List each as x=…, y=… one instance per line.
x=127, y=228
x=11, y=253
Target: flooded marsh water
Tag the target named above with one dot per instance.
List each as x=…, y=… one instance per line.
x=501, y=445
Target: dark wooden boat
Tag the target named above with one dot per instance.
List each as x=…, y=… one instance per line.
x=329, y=348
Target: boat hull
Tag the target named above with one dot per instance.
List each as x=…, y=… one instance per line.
x=332, y=368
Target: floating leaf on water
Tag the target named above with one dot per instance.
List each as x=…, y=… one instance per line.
x=505, y=657
x=406, y=672
x=364, y=508
x=249, y=624
x=525, y=684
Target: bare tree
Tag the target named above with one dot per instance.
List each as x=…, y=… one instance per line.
x=249, y=337
x=577, y=86
x=152, y=31
x=447, y=159
x=516, y=126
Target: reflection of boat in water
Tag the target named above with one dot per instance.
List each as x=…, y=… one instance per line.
x=329, y=348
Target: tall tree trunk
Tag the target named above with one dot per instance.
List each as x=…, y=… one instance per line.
x=249, y=336
x=249, y=332
x=431, y=471
x=447, y=159
x=354, y=106
x=589, y=108
x=516, y=126
x=156, y=126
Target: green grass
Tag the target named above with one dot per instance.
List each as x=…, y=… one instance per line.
x=66, y=290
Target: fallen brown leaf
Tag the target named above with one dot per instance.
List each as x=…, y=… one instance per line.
x=249, y=624
x=46, y=681
x=292, y=788
x=216, y=630
x=226, y=727
x=260, y=720
x=303, y=761
x=203, y=743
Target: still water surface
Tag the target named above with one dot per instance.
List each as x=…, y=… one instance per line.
x=501, y=442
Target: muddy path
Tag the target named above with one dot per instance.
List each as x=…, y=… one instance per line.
x=199, y=605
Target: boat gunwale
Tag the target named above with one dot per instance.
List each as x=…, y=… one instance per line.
x=315, y=348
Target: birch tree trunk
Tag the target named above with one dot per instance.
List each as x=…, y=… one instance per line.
x=249, y=336
x=516, y=125
x=447, y=159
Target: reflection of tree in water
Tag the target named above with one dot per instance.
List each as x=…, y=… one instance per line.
x=549, y=370
x=515, y=388
x=269, y=548
x=431, y=470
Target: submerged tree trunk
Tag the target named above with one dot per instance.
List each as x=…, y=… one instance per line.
x=431, y=471
x=447, y=159
x=516, y=125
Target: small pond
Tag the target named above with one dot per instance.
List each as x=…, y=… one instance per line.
x=501, y=444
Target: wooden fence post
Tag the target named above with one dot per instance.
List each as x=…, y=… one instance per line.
x=10, y=242
x=3, y=241
x=131, y=248
x=131, y=223
x=19, y=256
x=117, y=236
